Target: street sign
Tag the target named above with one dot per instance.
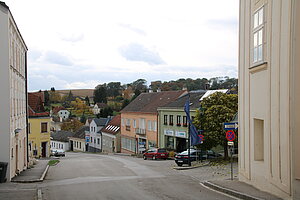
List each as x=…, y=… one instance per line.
x=201, y=137
x=230, y=135
x=231, y=126
x=229, y=143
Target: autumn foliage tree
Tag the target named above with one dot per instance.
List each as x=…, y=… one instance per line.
x=214, y=111
x=71, y=125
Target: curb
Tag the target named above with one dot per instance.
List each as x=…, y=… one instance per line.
x=34, y=180
x=230, y=192
x=190, y=167
x=44, y=173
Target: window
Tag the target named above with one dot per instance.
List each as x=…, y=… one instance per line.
x=134, y=123
x=129, y=144
x=98, y=141
x=165, y=119
x=149, y=125
x=154, y=125
x=184, y=122
x=79, y=145
x=127, y=124
x=91, y=139
x=258, y=27
x=44, y=127
x=178, y=120
x=171, y=120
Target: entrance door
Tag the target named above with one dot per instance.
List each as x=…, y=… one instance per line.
x=181, y=144
x=71, y=145
x=17, y=158
x=44, y=149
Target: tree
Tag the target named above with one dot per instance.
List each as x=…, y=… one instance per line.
x=80, y=107
x=87, y=101
x=140, y=85
x=71, y=125
x=125, y=103
x=54, y=97
x=105, y=112
x=100, y=94
x=113, y=89
x=215, y=110
x=136, y=93
x=46, y=98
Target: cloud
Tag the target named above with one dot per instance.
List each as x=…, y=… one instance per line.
x=222, y=24
x=73, y=38
x=134, y=29
x=57, y=58
x=137, y=52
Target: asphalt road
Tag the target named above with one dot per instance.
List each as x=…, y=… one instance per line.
x=94, y=176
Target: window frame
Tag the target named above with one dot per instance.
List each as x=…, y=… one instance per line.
x=42, y=130
x=258, y=36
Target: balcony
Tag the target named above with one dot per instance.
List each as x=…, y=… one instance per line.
x=140, y=131
x=127, y=128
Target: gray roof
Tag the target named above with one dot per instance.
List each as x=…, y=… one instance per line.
x=81, y=132
x=61, y=136
x=149, y=102
x=194, y=100
x=101, y=121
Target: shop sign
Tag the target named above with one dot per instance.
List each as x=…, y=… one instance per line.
x=180, y=134
x=169, y=132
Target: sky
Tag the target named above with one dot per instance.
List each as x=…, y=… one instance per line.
x=76, y=44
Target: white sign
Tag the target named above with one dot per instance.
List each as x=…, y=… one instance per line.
x=230, y=143
x=169, y=132
x=180, y=134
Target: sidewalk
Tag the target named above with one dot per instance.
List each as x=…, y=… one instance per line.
x=35, y=174
x=239, y=189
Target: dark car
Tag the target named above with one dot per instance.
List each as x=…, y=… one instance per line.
x=156, y=154
x=183, y=157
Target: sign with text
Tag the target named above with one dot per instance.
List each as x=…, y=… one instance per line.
x=231, y=126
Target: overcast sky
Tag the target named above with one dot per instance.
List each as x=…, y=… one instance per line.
x=78, y=44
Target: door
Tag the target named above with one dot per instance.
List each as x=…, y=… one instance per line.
x=17, y=158
x=44, y=149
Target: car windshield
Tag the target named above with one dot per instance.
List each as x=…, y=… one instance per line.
x=161, y=151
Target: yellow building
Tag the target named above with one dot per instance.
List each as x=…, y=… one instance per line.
x=38, y=127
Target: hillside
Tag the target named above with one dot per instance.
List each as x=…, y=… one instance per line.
x=78, y=92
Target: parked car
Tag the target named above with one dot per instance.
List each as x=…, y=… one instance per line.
x=156, y=154
x=58, y=152
x=195, y=154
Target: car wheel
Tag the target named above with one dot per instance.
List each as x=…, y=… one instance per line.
x=153, y=158
x=144, y=157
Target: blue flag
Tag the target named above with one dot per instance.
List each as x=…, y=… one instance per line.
x=195, y=139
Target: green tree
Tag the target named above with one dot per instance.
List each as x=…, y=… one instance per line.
x=71, y=125
x=125, y=103
x=100, y=94
x=105, y=112
x=46, y=98
x=215, y=110
x=87, y=101
x=113, y=89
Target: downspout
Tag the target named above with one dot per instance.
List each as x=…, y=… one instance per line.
x=157, y=131
x=26, y=101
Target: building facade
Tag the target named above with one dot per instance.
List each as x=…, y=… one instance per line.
x=13, y=81
x=139, y=120
x=172, y=122
x=111, y=136
x=60, y=140
x=93, y=136
x=77, y=141
x=269, y=96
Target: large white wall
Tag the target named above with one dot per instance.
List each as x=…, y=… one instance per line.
x=264, y=99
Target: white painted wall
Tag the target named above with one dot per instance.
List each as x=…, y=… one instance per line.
x=60, y=145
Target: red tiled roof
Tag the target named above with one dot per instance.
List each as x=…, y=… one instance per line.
x=149, y=102
x=35, y=106
x=113, y=127
x=56, y=109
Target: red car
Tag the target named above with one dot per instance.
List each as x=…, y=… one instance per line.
x=156, y=154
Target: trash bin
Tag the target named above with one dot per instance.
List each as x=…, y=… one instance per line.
x=3, y=168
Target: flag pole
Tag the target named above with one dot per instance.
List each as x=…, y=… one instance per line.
x=189, y=139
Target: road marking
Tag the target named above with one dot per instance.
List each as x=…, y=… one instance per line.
x=93, y=179
x=39, y=194
x=233, y=197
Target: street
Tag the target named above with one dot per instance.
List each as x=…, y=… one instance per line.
x=94, y=176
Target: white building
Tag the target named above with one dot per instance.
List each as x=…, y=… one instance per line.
x=60, y=140
x=63, y=115
x=95, y=139
x=13, y=90
x=269, y=98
